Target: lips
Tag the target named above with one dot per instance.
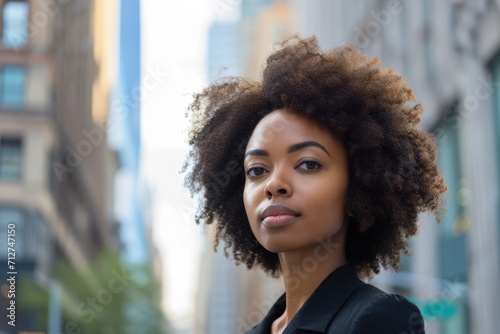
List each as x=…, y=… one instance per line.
x=278, y=215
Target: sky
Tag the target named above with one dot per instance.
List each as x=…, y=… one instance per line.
x=174, y=41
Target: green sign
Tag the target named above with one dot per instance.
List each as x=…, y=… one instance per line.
x=438, y=309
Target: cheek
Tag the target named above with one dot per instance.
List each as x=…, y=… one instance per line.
x=339, y=190
x=331, y=218
x=246, y=205
x=330, y=206
x=249, y=202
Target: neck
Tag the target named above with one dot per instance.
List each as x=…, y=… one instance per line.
x=303, y=272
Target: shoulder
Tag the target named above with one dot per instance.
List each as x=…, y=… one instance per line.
x=371, y=310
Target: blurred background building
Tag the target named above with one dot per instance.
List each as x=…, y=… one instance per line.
x=450, y=53
x=218, y=300
x=69, y=166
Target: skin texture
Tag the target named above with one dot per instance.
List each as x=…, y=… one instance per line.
x=311, y=181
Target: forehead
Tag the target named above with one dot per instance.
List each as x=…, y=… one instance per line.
x=282, y=124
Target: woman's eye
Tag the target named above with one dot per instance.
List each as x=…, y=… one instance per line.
x=309, y=165
x=255, y=171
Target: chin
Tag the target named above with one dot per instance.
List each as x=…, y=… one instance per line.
x=281, y=246
x=276, y=248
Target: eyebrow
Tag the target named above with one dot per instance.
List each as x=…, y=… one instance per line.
x=300, y=146
x=291, y=149
x=257, y=152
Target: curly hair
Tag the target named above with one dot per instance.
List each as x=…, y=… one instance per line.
x=393, y=173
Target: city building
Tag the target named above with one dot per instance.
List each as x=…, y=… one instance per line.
x=133, y=202
x=271, y=24
x=218, y=297
x=56, y=168
x=125, y=138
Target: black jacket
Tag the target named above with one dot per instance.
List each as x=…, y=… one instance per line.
x=343, y=304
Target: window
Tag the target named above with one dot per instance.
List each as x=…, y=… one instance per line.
x=453, y=230
x=10, y=158
x=453, y=262
x=12, y=217
x=13, y=86
x=15, y=24
x=32, y=236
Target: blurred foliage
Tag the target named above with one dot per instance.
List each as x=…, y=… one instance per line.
x=107, y=296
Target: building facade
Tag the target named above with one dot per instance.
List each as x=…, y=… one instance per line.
x=218, y=296
x=56, y=168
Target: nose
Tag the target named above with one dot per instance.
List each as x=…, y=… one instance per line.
x=278, y=185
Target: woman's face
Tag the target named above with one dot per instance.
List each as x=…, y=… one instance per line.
x=296, y=182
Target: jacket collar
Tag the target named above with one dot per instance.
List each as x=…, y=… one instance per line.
x=320, y=308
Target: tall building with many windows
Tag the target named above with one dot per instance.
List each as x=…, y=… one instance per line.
x=56, y=168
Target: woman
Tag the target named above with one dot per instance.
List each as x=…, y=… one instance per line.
x=317, y=173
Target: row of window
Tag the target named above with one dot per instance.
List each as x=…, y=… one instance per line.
x=453, y=230
x=10, y=158
x=31, y=235
x=14, y=25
